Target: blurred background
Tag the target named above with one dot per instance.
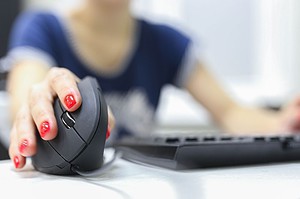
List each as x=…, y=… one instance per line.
x=250, y=45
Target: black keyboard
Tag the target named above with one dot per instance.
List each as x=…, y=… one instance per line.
x=185, y=152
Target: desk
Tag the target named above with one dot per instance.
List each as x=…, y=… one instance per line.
x=128, y=180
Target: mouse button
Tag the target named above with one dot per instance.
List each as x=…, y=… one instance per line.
x=67, y=120
x=88, y=115
x=67, y=142
x=63, y=116
x=87, y=127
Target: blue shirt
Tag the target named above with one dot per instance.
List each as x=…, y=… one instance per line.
x=157, y=59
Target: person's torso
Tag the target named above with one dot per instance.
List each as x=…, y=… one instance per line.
x=133, y=92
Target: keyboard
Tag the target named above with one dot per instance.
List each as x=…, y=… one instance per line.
x=186, y=152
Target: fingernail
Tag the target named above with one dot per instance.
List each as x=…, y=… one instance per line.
x=23, y=145
x=44, y=129
x=16, y=162
x=70, y=101
x=108, y=132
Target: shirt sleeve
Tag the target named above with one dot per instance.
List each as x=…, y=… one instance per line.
x=30, y=39
x=181, y=54
x=189, y=63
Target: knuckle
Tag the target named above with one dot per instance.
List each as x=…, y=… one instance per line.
x=63, y=90
x=33, y=90
x=57, y=74
x=39, y=113
x=21, y=115
x=35, y=95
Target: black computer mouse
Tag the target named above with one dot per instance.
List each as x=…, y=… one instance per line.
x=80, y=142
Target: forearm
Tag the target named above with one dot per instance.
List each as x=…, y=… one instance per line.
x=21, y=78
x=227, y=114
x=250, y=120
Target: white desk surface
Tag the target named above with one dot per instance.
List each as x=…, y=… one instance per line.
x=128, y=180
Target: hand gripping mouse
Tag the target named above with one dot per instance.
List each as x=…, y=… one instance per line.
x=80, y=141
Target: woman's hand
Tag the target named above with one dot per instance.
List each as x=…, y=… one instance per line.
x=37, y=113
x=290, y=116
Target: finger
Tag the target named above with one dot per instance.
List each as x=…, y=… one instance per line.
x=295, y=102
x=296, y=122
x=18, y=160
x=111, y=122
x=41, y=106
x=292, y=123
x=111, y=119
x=63, y=82
x=25, y=132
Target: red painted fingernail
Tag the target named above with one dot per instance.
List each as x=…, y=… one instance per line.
x=23, y=145
x=70, y=101
x=16, y=162
x=108, y=132
x=44, y=129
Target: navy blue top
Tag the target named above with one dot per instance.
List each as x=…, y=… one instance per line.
x=155, y=62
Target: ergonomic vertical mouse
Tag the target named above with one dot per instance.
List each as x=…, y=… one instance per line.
x=80, y=141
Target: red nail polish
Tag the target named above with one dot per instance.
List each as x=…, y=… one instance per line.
x=23, y=145
x=70, y=101
x=108, y=132
x=16, y=162
x=44, y=128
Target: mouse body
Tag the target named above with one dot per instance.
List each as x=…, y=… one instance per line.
x=81, y=136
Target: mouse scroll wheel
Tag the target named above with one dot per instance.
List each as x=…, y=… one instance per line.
x=67, y=120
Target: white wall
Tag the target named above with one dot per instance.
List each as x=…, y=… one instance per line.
x=59, y=5
x=278, y=49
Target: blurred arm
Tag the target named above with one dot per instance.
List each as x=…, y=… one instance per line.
x=229, y=115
